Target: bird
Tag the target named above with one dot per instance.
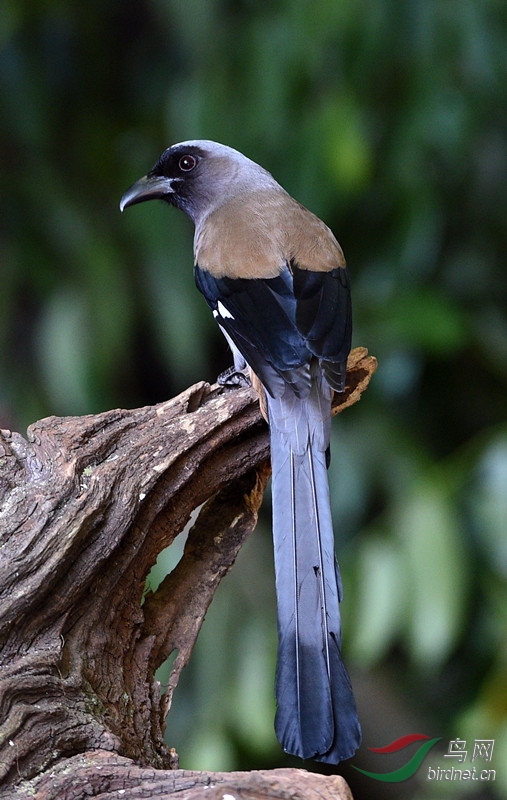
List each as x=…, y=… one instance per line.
x=276, y=281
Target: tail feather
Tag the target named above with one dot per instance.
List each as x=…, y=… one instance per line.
x=316, y=715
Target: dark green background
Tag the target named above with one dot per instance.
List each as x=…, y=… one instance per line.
x=389, y=120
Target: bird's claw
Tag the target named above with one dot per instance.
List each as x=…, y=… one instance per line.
x=233, y=379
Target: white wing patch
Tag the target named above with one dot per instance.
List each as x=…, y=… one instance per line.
x=222, y=311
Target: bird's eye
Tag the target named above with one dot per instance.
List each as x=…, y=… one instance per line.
x=186, y=163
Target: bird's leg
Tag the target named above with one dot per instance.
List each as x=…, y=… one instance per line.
x=237, y=376
x=233, y=378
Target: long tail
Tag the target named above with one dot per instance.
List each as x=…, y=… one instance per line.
x=316, y=713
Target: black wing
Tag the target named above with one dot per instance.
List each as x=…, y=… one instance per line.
x=324, y=318
x=278, y=324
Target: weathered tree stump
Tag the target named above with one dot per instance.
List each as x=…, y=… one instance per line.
x=86, y=505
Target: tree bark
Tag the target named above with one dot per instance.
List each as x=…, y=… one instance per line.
x=86, y=505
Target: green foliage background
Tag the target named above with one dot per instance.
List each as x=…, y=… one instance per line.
x=387, y=118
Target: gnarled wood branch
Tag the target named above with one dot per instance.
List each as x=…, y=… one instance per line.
x=86, y=505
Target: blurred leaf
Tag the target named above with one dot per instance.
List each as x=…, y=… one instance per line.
x=381, y=590
x=489, y=506
x=425, y=319
x=434, y=562
x=252, y=702
x=64, y=348
x=349, y=162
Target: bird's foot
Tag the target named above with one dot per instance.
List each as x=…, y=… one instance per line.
x=233, y=378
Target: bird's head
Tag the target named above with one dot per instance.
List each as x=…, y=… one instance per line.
x=198, y=176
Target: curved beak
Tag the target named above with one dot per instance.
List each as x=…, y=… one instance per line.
x=151, y=187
